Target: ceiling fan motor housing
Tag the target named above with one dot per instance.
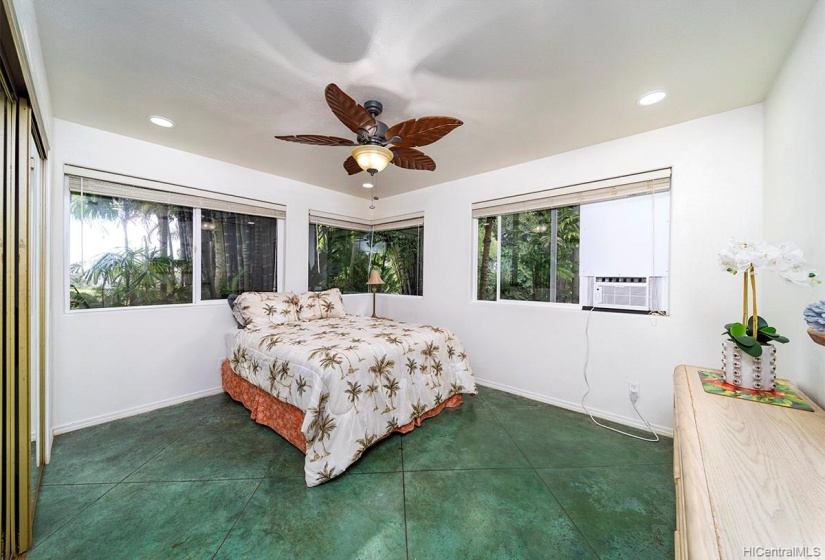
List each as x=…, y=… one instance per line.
x=378, y=137
x=373, y=107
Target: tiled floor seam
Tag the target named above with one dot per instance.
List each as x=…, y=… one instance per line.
x=240, y=514
x=38, y=542
x=188, y=480
x=503, y=427
x=536, y=472
x=114, y=485
x=195, y=422
x=404, y=500
x=470, y=469
x=652, y=463
x=584, y=536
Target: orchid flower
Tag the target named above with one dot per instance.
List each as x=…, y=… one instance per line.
x=748, y=257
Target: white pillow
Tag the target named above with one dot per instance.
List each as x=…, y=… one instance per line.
x=320, y=305
x=266, y=307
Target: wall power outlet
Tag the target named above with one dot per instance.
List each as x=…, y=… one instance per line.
x=633, y=391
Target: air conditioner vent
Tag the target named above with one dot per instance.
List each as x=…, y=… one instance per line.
x=614, y=292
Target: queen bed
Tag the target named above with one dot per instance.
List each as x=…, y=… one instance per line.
x=334, y=384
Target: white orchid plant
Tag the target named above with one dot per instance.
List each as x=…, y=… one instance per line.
x=748, y=257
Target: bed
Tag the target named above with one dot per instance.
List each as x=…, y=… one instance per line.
x=335, y=385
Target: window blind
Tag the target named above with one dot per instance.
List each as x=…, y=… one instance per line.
x=336, y=220
x=583, y=193
x=357, y=224
x=399, y=222
x=102, y=183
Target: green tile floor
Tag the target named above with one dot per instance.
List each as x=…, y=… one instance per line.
x=500, y=477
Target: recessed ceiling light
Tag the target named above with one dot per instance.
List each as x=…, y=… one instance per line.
x=367, y=185
x=161, y=121
x=651, y=98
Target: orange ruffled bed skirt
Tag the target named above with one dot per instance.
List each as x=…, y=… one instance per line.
x=287, y=419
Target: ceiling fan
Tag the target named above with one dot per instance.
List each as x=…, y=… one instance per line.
x=376, y=144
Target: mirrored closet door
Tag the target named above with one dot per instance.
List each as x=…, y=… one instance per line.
x=37, y=285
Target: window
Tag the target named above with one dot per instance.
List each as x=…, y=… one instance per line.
x=240, y=253
x=539, y=256
x=576, y=244
x=132, y=244
x=399, y=257
x=128, y=252
x=338, y=258
x=341, y=254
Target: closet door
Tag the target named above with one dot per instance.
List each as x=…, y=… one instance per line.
x=15, y=400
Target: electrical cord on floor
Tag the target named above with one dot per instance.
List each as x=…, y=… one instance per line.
x=587, y=382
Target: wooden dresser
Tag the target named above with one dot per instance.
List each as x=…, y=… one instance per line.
x=750, y=477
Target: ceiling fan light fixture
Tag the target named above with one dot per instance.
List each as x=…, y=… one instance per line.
x=372, y=158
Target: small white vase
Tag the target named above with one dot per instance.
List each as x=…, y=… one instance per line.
x=743, y=370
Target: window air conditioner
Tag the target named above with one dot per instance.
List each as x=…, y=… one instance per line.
x=631, y=293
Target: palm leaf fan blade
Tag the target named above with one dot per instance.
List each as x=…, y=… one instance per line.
x=410, y=158
x=316, y=140
x=423, y=131
x=348, y=111
x=352, y=166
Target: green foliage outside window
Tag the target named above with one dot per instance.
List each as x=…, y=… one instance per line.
x=487, y=258
x=128, y=252
x=238, y=253
x=538, y=256
x=340, y=258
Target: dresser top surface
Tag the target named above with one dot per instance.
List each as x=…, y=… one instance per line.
x=764, y=466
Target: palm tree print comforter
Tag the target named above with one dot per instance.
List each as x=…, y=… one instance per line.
x=356, y=378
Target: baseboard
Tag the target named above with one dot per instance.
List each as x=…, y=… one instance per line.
x=102, y=419
x=577, y=407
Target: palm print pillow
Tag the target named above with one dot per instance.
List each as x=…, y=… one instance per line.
x=265, y=307
x=320, y=305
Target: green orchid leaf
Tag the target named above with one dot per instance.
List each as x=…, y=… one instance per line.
x=755, y=350
x=766, y=336
x=745, y=341
x=760, y=322
x=736, y=329
x=768, y=330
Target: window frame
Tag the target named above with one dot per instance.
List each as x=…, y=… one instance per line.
x=197, y=256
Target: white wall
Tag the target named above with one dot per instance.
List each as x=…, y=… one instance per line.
x=539, y=349
x=113, y=362
x=795, y=195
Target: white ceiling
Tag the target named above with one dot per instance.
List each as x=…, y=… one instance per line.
x=528, y=78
